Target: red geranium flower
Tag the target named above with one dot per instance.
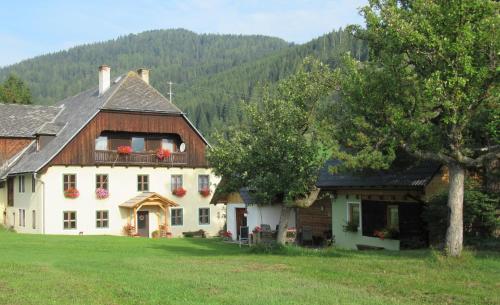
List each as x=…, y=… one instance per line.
x=205, y=192
x=179, y=192
x=163, y=154
x=124, y=150
x=71, y=193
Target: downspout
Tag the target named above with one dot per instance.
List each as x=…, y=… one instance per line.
x=43, y=203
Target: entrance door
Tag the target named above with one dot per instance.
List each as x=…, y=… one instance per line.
x=241, y=220
x=143, y=223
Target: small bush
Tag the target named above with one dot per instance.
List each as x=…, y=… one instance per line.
x=480, y=218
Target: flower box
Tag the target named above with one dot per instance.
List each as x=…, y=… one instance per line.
x=179, y=192
x=124, y=150
x=101, y=193
x=205, y=192
x=162, y=154
x=71, y=193
x=386, y=233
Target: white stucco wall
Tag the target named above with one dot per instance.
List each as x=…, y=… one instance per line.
x=28, y=201
x=231, y=217
x=256, y=216
x=122, y=187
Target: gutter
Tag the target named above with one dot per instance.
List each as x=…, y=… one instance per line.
x=43, y=201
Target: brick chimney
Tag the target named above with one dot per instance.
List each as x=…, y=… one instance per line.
x=104, y=78
x=144, y=74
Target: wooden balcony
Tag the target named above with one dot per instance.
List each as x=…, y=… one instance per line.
x=112, y=157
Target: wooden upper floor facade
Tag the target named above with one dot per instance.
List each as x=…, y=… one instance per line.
x=145, y=134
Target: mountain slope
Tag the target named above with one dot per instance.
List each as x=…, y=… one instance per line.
x=213, y=74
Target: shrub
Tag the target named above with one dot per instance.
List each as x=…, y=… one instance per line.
x=479, y=214
x=350, y=226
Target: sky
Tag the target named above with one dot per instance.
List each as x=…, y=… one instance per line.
x=36, y=27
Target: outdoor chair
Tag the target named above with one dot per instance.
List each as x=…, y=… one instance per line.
x=244, y=236
x=307, y=235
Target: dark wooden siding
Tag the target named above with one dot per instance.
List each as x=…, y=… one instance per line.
x=318, y=216
x=80, y=151
x=9, y=147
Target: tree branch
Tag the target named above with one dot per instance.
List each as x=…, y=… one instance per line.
x=438, y=157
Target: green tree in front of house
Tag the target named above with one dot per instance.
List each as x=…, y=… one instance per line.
x=280, y=150
x=430, y=87
x=14, y=91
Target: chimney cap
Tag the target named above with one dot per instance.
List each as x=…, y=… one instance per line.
x=102, y=67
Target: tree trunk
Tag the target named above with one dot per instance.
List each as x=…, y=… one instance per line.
x=455, y=232
x=283, y=224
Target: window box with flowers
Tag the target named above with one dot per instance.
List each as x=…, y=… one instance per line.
x=101, y=193
x=205, y=192
x=71, y=193
x=163, y=154
x=179, y=192
x=386, y=233
x=351, y=226
x=124, y=150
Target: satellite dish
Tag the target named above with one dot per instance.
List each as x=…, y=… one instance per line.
x=182, y=148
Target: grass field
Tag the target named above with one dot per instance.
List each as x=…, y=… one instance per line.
x=118, y=270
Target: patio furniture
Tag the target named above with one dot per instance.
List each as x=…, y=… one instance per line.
x=244, y=236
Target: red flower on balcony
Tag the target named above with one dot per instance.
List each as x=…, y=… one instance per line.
x=205, y=192
x=163, y=154
x=179, y=192
x=124, y=150
x=71, y=193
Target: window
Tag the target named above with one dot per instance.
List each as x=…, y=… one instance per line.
x=176, y=182
x=393, y=217
x=69, y=181
x=353, y=213
x=138, y=144
x=33, y=219
x=176, y=217
x=101, y=181
x=204, y=216
x=167, y=144
x=33, y=183
x=69, y=220
x=21, y=185
x=142, y=183
x=22, y=217
x=101, y=143
x=102, y=220
x=203, y=182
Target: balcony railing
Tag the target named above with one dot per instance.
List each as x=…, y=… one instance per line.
x=113, y=157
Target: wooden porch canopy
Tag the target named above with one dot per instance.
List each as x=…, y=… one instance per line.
x=149, y=199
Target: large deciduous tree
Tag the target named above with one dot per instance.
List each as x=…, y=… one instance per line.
x=430, y=87
x=279, y=152
x=14, y=91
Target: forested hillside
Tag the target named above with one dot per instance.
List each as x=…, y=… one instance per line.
x=212, y=74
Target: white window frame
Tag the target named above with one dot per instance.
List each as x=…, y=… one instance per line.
x=171, y=215
x=209, y=216
x=348, y=217
x=22, y=218
x=69, y=220
x=200, y=187
x=33, y=219
x=21, y=183
x=33, y=183
x=101, y=220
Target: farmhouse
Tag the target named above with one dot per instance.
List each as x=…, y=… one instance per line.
x=120, y=158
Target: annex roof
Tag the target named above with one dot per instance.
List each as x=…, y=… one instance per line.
x=22, y=121
x=403, y=173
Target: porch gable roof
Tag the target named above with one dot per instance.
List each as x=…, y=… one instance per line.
x=148, y=198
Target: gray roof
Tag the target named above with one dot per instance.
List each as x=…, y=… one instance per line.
x=128, y=93
x=51, y=128
x=136, y=95
x=24, y=120
x=403, y=173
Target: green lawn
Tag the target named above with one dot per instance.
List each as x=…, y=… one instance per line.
x=119, y=270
